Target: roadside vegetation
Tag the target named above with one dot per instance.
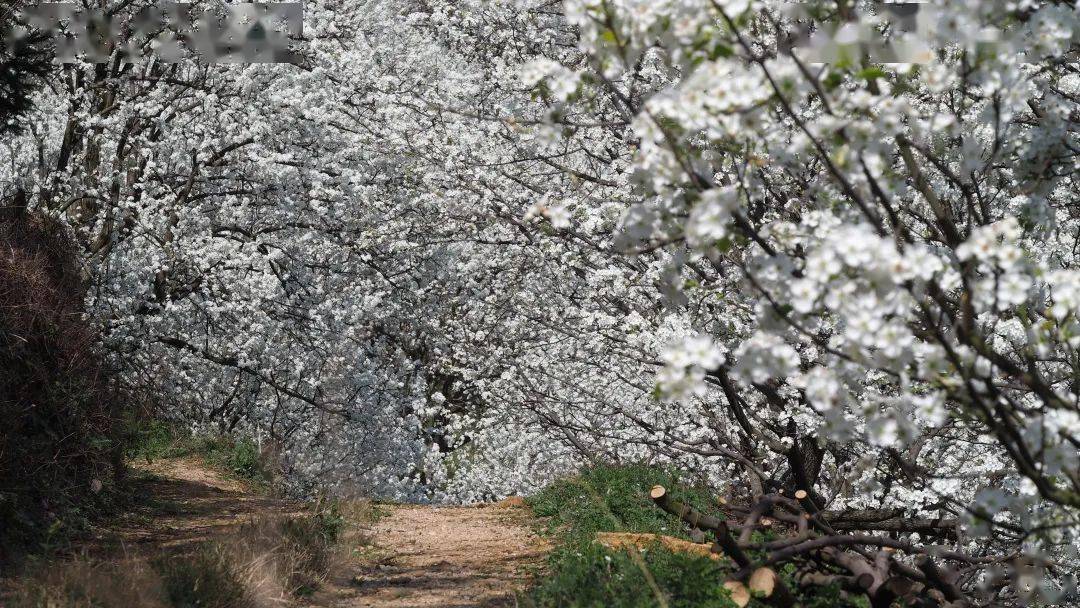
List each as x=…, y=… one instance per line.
x=582, y=572
x=61, y=441
x=238, y=456
x=268, y=560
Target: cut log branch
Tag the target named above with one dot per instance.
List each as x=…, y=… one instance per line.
x=624, y=540
x=781, y=597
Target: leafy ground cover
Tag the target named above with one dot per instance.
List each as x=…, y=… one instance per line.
x=583, y=573
x=237, y=456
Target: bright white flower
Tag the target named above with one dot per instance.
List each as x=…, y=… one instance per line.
x=1012, y=290
x=803, y=294
x=535, y=71
x=931, y=408
x=685, y=365
x=710, y=216
x=822, y=388
x=764, y=356
x=559, y=216
x=883, y=431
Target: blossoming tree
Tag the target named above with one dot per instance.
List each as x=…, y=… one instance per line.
x=897, y=243
x=466, y=246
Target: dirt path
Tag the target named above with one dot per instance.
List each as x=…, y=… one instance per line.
x=413, y=557
x=184, y=502
x=452, y=557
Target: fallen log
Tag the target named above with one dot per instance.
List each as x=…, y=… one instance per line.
x=780, y=597
x=625, y=540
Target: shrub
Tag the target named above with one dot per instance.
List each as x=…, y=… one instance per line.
x=241, y=457
x=582, y=573
x=60, y=444
x=238, y=456
x=153, y=439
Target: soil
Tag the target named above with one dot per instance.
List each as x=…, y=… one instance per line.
x=414, y=556
x=183, y=502
x=452, y=557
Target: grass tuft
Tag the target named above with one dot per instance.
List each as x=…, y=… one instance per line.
x=268, y=561
x=581, y=573
x=211, y=577
x=240, y=457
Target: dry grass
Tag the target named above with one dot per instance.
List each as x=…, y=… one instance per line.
x=635, y=541
x=269, y=561
x=84, y=584
x=61, y=440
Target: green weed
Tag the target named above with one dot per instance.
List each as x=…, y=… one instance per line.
x=583, y=574
x=238, y=456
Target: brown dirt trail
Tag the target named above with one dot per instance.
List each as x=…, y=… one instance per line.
x=452, y=557
x=185, y=503
x=413, y=557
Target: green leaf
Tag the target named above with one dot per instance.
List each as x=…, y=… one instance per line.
x=725, y=244
x=871, y=73
x=721, y=50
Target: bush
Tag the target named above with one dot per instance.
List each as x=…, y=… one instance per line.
x=238, y=456
x=615, y=499
x=61, y=443
x=154, y=439
x=241, y=457
x=265, y=562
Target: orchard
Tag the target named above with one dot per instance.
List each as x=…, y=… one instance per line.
x=463, y=248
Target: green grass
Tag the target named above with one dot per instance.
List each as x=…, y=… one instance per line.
x=238, y=456
x=583, y=574
x=154, y=439
x=594, y=576
x=616, y=499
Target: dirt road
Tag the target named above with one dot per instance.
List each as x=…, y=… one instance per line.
x=452, y=557
x=422, y=556
x=183, y=503
x=412, y=557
